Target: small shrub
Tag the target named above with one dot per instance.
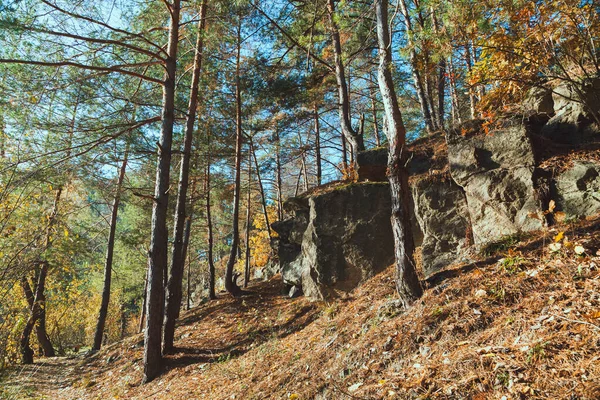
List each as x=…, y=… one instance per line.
x=537, y=353
x=504, y=244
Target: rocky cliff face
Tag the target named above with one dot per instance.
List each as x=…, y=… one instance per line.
x=336, y=239
x=474, y=186
x=495, y=171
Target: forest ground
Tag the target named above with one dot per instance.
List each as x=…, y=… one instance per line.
x=522, y=322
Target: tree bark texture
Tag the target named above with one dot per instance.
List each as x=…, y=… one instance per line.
x=109, y=257
x=407, y=282
x=356, y=142
x=159, y=234
x=230, y=282
x=174, y=285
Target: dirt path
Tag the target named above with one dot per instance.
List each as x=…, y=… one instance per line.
x=37, y=381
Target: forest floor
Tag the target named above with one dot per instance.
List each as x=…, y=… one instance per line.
x=521, y=323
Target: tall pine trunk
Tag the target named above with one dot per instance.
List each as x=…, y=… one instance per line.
x=174, y=285
x=159, y=235
x=416, y=75
x=407, y=282
x=279, y=178
x=109, y=256
x=375, y=123
x=211, y=263
x=37, y=315
x=230, y=281
x=318, y=146
x=355, y=141
x=248, y=220
x=262, y=191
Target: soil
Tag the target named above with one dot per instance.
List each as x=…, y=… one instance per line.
x=523, y=323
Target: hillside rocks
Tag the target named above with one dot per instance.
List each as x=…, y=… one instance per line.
x=539, y=101
x=443, y=215
x=496, y=172
x=576, y=109
x=289, y=243
x=475, y=185
x=347, y=238
x=372, y=164
x=579, y=189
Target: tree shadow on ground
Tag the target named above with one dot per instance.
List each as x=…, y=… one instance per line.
x=532, y=246
x=243, y=342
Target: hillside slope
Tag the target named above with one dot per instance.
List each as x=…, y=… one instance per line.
x=522, y=323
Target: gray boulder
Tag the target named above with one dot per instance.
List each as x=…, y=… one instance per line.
x=289, y=243
x=539, y=101
x=267, y=272
x=348, y=238
x=576, y=108
x=579, y=189
x=443, y=215
x=496, y=172
x=372, y=164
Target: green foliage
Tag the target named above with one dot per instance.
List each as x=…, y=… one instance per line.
x=501, y=245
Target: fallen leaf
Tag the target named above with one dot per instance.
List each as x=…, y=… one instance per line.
x=554, y=247
x=559, y=237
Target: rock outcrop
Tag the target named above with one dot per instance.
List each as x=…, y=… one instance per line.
x=474, y=186
x=443, y=215
x=348, y=238
x=539, y=100
x=290, y=235
x=576, y=110
x=372, y=164
x=578, y=189
x=496, y=172
x=336, y=239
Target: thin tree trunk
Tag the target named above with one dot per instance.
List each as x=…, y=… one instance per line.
x=174, y=285
x=303, y=162
x=279, y=180
x=211, y=263
x=2, y=138
x=407, y=282
x=375, y=123
x=441, y=92
x=318, y=145
x=474, y=55
x=184, y=251
x=248, y=222
x=143, y=309
x=472, y=98
x=344, y=154
x=24, y=347
x=429, y=93
x=188, y=289
x=38, y=311
x=297, y=191
x=428, y=75
x=109, y=256
x=39, y=315
x=454, y=93
x=263, y=198
x=415, y=70
x=230, y=283
x=159, y=235
x=356, y=142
